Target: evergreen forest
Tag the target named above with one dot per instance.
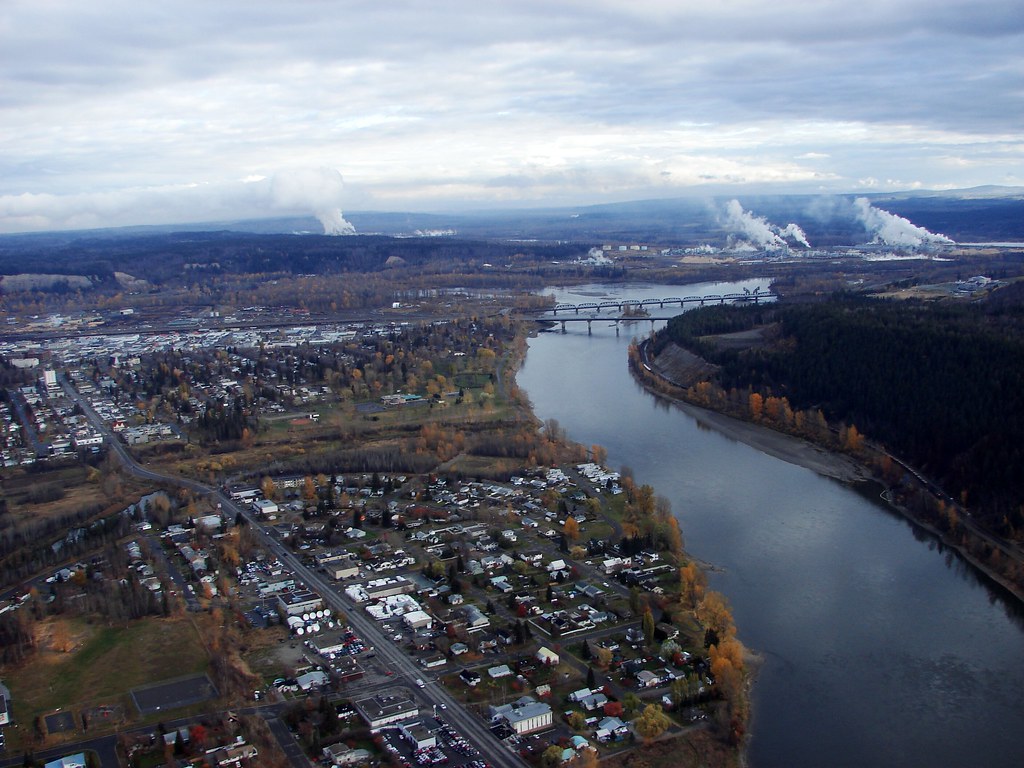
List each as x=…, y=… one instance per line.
x=938, y=383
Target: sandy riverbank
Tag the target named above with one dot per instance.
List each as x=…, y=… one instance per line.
x=781, y=446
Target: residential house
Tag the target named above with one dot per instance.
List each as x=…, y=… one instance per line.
x=233, y=756
x=611, y=729
x=547, y=656
x=647, y=679
x=502, y=670
x=341, y=755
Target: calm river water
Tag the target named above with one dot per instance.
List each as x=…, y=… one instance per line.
x=880, y=648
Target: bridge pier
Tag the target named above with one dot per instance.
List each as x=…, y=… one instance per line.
x=563, y=325
x=589, y=333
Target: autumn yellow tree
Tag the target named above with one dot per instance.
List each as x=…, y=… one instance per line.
x=692, y=582
x=652, y=722
x=853, y=440
x=756, y=405
x=714, y=614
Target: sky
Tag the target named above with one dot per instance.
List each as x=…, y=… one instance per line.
x=117, y=112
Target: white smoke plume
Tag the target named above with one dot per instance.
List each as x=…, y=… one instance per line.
x=889, y=229
x=313, y=189
x=794, y=232
x=758, y=230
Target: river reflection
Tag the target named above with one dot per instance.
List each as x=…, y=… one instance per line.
x=882, y=648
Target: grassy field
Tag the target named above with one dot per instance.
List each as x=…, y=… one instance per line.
x=106, y=662
x=77, y=492
x=471, y=379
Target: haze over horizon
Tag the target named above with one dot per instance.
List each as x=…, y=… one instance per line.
x=115, y=113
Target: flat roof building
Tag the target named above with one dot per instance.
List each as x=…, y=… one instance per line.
x=392, y=706
x=297, y=603
x=524, y=715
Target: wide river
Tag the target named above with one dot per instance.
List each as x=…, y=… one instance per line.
x=880, y=648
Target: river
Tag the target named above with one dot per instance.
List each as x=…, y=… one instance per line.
x=881, y=648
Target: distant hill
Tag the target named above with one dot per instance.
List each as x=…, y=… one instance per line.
x=982, y=214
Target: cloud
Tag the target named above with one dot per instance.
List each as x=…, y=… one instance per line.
x=304, y=191
x=787, y=96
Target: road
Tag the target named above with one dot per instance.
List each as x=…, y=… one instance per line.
x=433, y=694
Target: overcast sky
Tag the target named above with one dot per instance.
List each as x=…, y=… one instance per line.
x=120, y=111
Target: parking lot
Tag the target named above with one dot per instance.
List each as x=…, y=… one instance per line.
x=450, y=748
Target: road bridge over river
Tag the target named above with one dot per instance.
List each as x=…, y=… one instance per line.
x=638, y=310
x=625, y=305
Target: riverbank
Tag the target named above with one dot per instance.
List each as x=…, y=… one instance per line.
x=815, y=571
x=788, y=448
x=803, y=453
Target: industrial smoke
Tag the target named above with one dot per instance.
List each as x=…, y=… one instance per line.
x=889, y=229
x=318, y=190
x=759, y=231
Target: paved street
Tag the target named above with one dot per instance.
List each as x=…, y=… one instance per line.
x=433, y=694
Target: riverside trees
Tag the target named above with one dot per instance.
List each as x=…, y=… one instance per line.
x=929, y=381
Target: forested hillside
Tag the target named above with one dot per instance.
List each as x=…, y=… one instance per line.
x=166, y=257
x=938, y=384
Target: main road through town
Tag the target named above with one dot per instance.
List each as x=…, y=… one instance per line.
x=433, y=694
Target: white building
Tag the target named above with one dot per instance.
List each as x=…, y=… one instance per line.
x=525, y=715
x=547, y=656
x=418, y=620
x=264, y=507
x=312, y=680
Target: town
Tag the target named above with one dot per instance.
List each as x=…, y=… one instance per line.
x=531, y=613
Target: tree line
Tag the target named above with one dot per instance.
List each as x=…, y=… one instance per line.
x=937, y=384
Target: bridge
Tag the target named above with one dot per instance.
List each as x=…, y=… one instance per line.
x=755, y=296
